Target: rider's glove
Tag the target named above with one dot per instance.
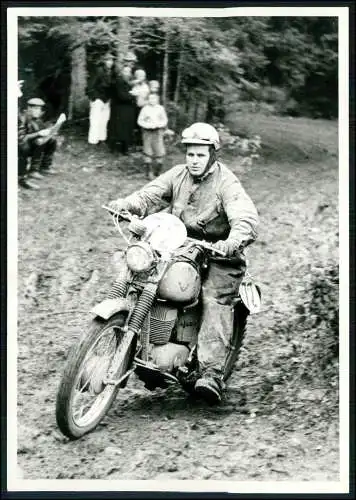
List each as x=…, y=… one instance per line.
x=118, y=205
x=229, y=248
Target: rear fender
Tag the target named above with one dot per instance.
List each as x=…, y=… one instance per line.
x=109, y=307
x=250, y=294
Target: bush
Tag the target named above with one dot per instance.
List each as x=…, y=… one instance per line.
x=246, y=149
x=315, y=327
x=323, y=318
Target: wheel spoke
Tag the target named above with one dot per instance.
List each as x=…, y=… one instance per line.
x=85, y=402
x=88, y=356
x=82, y=389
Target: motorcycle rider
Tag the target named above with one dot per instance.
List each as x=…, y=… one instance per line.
x=214, y=206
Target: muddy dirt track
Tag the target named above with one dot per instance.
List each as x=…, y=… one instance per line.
x=264, y=430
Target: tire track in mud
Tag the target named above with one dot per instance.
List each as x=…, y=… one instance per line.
x=66, y=242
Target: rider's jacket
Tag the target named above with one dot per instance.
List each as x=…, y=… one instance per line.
x=214, y=207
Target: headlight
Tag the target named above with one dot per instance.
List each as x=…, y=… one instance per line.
x=139, y=257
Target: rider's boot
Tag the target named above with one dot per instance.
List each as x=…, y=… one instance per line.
x=187, y=379
x=209, y=386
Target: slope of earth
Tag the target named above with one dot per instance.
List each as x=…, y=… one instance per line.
x=66, y=243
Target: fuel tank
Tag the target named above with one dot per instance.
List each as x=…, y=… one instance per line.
x=181, y=283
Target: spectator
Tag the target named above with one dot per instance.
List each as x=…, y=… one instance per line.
x=129, y=62
x=123, y=111
x=22, y=157
x=99, y=93
x=36, y=147
x=153, y=120
x=154, y=86
x=19, y=88
x=140, y=90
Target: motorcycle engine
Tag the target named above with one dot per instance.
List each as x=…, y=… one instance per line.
x=169, y=356
x=159, y=323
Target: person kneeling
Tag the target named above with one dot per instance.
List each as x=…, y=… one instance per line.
x=36, y=146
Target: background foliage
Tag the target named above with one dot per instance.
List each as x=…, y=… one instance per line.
x=274, y=65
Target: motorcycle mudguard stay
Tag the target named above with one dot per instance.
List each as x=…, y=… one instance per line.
x=108, y=307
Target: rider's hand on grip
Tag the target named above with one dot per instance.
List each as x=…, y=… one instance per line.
x=118, y=205
x=226, y=247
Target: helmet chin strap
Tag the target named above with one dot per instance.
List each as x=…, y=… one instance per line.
x=211, y=161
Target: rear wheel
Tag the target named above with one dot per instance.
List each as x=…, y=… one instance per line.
x=83, y=398
x=240, y=322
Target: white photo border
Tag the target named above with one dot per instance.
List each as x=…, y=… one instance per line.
x=15, y=484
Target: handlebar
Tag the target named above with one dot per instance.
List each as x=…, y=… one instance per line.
x=206, y=245
x=126, y=215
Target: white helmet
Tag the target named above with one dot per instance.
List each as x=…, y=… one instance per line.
x=201, y=133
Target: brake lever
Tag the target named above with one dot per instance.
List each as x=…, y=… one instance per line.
x=124, y=214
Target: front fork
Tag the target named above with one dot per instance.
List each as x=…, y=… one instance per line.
x=136, y=316
x=131, y=329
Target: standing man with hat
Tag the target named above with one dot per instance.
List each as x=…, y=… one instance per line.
x=122, y=120
x=129, y=61
x=36, y=147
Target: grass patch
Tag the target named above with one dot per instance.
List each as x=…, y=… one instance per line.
x=286, y=138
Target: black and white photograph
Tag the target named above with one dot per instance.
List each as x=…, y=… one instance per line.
x=178, y=282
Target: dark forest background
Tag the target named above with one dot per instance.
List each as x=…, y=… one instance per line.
x=272, y=65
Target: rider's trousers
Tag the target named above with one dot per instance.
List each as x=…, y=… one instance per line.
x=219, y=293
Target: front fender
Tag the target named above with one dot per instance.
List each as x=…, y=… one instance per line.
x=109, y=307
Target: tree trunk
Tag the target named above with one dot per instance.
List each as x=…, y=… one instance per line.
x=196, y=108
x=78, y=102
x=209, y=111
x=165, y=69
x=123, y=39
x=179, y=75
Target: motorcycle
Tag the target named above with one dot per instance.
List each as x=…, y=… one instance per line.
x=148, y=324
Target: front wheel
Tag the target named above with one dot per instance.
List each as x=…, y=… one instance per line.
x=83, y=399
